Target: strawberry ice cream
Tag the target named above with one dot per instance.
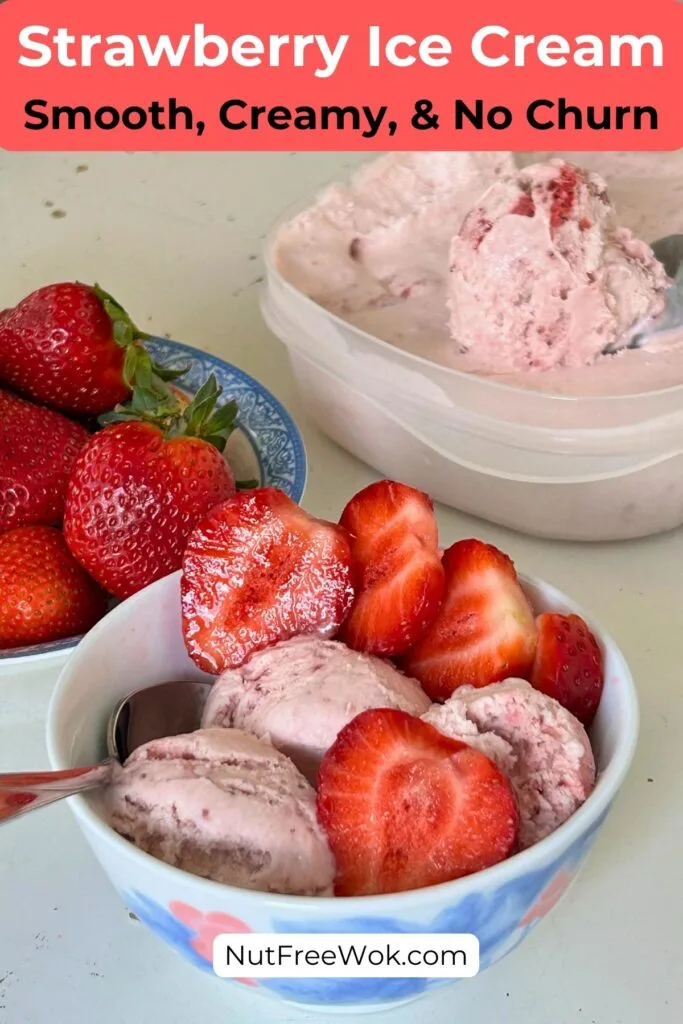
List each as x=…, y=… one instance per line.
x=540, y=746
x=542, y=276
x=300, y=693
x=221, y=804
x=385, y=253
x=355, y=247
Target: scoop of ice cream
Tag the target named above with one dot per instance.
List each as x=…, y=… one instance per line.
x=356, y=245
x=300, y=693
x=542, y=276
x=542, y=748
x=221, y=804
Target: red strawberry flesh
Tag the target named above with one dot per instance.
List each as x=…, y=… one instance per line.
x=484, y=631
x=524, y=207
x=405, y=807
x=563, y=193
x=398, y=575
x=568, y=664
x=257, y=570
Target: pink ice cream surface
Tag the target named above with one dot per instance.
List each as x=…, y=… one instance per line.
x=221, y=804
x=542, y=748
x=355, y=246
x=300, y=693
x=542, y=276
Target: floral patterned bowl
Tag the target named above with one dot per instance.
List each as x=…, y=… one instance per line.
x=140, y=643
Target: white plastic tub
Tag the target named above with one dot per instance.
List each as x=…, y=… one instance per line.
x=583, y=469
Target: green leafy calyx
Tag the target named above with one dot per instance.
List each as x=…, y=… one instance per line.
x=139, y=370
x=124, y=330
x=153, y=401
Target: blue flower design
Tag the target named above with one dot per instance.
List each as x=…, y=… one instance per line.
x=494, y=917
x=500, y=918
x=162, y=922
x=346, y=991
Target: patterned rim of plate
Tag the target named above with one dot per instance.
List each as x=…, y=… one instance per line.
x=272, y=433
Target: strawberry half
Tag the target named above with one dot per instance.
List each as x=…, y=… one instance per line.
x=568, y=664
x=485, y=629
x=257, y=570
x=405, y=807
x=398, y=575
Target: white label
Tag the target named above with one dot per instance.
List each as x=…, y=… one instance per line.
x=345, y=956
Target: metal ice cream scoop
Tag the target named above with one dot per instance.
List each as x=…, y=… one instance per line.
x=669, y=252
x=167, y=709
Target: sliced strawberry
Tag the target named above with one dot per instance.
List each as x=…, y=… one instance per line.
x=398, y=574
x=485, y=629
x=568, y=664
x=404, y=806
x=257, y=570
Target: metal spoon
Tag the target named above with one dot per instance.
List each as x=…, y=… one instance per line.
x=166, y=709
x=669, y=252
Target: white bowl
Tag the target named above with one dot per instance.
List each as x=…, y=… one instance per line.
x=139, y=643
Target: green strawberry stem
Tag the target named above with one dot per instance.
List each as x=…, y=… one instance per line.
x=154, y=402
x=124, y=330
x=138, y=367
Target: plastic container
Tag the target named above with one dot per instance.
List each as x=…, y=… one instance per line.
x=578, y=469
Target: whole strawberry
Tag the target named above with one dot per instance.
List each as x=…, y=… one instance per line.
x=143, y=482
x=38, y=449
x=44, y=593
x=73, y=347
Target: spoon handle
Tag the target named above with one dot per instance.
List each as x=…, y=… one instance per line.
x=21, y=792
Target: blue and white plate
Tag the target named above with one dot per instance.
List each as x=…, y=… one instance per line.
x=267, y=447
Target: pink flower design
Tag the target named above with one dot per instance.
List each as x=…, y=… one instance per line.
x=207, y=927
x=550, y=896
